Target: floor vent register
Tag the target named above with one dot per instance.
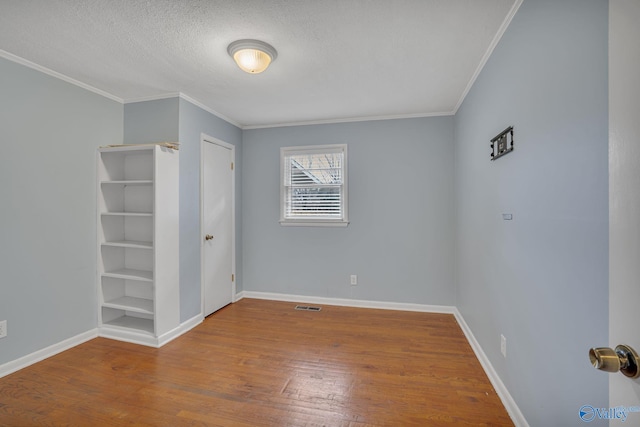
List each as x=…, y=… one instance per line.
x=307, y=308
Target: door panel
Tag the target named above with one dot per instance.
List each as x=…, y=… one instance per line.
x=217, y=226
x=624, y=195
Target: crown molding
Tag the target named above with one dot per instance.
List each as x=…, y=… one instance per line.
x=14, y=58
x=505, y=24
x=349, y=120
x=168, y=95
x=487, y=54
x=211, y=111
x=188, y=99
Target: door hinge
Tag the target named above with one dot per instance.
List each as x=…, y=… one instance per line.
x=233, y=277
x=231, y=165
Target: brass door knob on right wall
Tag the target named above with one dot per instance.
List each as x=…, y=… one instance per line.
x=623, y=359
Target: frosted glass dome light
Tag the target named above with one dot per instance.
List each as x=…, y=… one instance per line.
x=252, y=56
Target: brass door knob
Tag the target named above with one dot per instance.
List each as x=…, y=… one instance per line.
x=623, y=359
x=208, y=237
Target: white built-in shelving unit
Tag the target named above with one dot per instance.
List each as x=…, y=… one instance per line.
x=138, y=270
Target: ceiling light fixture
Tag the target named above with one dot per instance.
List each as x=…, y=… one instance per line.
x=252, y=56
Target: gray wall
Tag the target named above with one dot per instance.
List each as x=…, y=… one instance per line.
x=400, y=238
x=193, y=122
x=175, y=119
x=151, y=121
x=540, y=279
x=49, y=130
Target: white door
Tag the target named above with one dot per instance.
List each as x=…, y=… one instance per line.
x=624, y=195
x=217, y=224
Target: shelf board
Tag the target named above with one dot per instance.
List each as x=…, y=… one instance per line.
x=138, y=214
x=133, y=304
x=128, y=273
x=129, y=244
x=129, y=182
x=130, y=322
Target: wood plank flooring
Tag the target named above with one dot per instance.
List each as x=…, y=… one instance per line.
x=262, y=363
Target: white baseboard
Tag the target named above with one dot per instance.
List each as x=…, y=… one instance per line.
x=507, y=400
x=510, y=405
x=184, y=327
x=52, y=350
x=128, y=335
x=348, y=302
x=142, y=338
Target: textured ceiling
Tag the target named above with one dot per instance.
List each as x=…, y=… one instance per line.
x=337, y=59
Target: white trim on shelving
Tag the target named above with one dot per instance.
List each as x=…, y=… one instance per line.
x=52, y=350
x=507, y=400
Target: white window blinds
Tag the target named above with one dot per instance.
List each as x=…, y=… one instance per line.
x=314, y=184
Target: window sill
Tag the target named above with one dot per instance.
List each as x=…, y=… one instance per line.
x=293, y=223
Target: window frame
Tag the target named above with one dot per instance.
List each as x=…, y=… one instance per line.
x=314, y=222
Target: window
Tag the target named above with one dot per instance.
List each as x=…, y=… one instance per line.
x=313, y=185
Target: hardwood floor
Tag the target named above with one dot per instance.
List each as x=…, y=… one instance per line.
x=262, y=363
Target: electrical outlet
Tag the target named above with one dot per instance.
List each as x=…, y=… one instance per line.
x=503, y=345
x=354, y=279
x=3, y=329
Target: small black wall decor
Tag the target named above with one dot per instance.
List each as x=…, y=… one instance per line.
x=502, y=143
